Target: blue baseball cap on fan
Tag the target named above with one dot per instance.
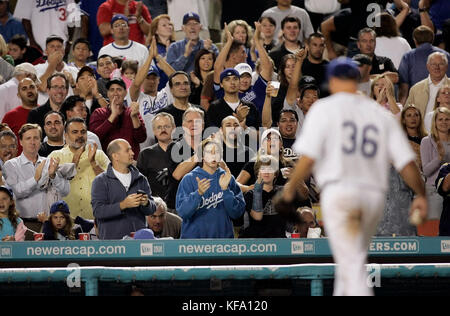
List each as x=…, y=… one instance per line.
x=228, y=73
x=119, y=17
x=143, y=234
x=191, y=16
x=343, y=68
x=153, y=71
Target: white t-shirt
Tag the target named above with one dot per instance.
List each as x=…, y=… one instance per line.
x=353, y=140
x=133, y=50
x=8, y=96
x=125, y=179
x=47, y=17
x=148, y=106
x=394, y=48
x=322, y=6
x=233, y=106
x=278, y=16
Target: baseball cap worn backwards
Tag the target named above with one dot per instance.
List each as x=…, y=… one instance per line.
x=343, y=68
x=228, y=73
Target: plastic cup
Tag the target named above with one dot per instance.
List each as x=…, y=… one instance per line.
x=295, y=235
x=84, y=236
x=38, y=237
x=285, y=172
x=276, y=86
x=132, y=234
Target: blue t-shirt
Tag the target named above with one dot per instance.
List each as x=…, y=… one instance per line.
x=7, y=228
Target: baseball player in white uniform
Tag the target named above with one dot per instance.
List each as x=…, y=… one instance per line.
x=348, y=141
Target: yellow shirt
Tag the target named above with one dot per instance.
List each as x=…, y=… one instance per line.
x=79, y=198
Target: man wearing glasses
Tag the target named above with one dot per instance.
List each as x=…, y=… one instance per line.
x=57, y=89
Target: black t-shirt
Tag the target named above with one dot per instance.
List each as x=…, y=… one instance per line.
x=219, y=109
x=318, y=71
x=47, y=149
x=236, y=158
x=177, y=153
x=382, y=64
x=176, y=113
x=288, y=151
x=151, y=162
x=273, y=225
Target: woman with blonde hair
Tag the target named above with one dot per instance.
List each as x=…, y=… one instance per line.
x=435, y=151
x=382, y=91
x=4, y=49
x=243, y=33
x=442, y=99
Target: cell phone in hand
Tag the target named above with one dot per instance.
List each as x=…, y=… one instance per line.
x=141, y=192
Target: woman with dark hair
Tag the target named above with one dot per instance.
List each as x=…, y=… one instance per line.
x=11, y=225
x=389, y=42
x=204, y=64
x=268, y=27
x=413, y=125
x=22, y=53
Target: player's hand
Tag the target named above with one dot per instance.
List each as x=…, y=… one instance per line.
x=203, y=185
x=420, y=203
x=131, y=201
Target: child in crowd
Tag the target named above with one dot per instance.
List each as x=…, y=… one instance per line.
x=129, y=70
x=59, y=226
x=11, y=226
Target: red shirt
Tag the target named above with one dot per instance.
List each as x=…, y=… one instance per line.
x=121, y=128
x=15, y=119
x=110, y=8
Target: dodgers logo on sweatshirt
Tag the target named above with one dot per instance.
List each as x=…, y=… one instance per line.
x=212, y=201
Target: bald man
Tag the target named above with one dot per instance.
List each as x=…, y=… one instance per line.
x=121, y=196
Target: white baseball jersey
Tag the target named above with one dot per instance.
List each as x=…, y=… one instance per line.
x=133, y=50
x=148, y=106
x=9, y=99
x=47, y=17
x=353, y=140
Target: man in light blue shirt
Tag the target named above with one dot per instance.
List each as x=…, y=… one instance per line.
x=181, y=54
x=31, y=177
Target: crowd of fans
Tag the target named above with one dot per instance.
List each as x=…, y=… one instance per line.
x=152, y=119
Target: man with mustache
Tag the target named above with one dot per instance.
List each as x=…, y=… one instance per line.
x=54, y=129
x=154, y=162
x=90, y=162
x=28, y=93
x=8, y=146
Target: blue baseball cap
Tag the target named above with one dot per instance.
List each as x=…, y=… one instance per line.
x=143, y=234
x=228, y=73
x=59, y=206
x=190, y=16
x=153, y=71
x=119, y=17
x=343, y=68
x=7, y=191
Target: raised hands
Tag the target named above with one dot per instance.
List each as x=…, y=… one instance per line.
x=225, y=179
x=203, y=185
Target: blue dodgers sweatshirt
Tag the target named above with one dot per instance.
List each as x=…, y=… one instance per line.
x=208, y=216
